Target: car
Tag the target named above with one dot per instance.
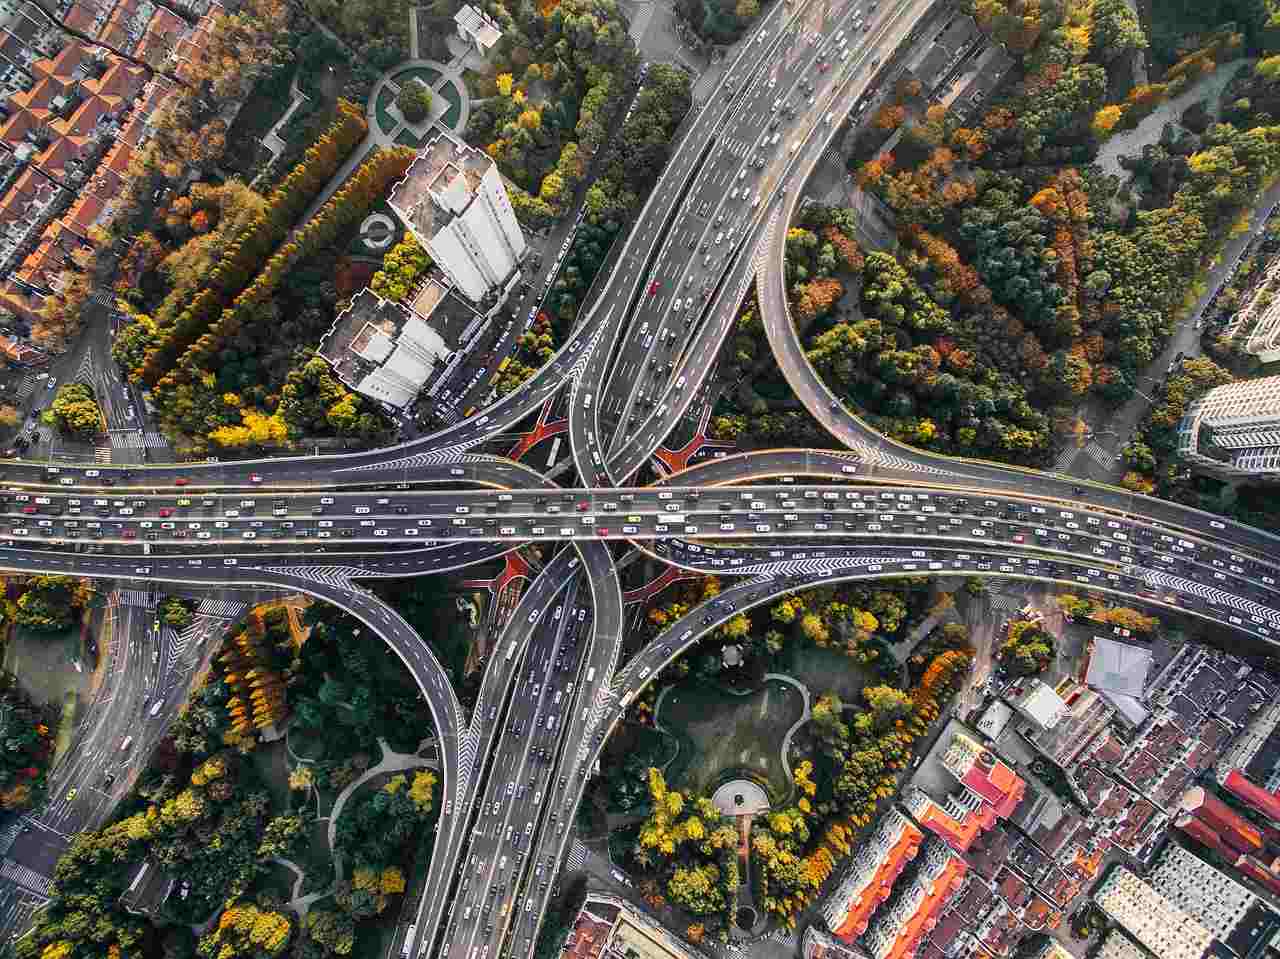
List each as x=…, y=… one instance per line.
x=255, y=478
x=71, y=793
x=654, y=287
x=181, y=481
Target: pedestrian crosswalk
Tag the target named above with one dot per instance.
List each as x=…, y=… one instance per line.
x=28, y=879
x=577, y=857
x=223, y=608
x=133, y=440
x=1006, y=604
x=1103, y=457
x=10, y=833
x=102, y=297
x=1066, y=458
x=102, y=454
x=833, y=158
x=133, y=597
x=25, y=388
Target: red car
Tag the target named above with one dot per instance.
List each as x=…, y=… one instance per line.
x=181, y=482
x=602, y=531
x=166, y=511
x=654, y=287
x=255, y=478
x=581, y=507
x=28, y=510
x=130, y=534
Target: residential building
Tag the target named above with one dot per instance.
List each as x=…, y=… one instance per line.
x=1119, y=946
x=1234, y=430
x=383, y=350
x=453, y=199
x=899, y=928
x=607, y=926
x=989, y=790
x=477, y=28
x=1238, y=918
x=875, y=867
x=818, y=945
x=1155, y=922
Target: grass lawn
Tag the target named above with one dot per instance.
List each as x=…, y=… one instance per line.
x=316, y=861
x=278, y=881
x=385, y=120
x=732, y=731
x=451, y=116
x=827, y=671
x=45, y=663
x=272, y=764
x=266, y=104
x=425, y=74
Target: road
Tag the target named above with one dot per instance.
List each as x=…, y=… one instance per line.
x=513, y=771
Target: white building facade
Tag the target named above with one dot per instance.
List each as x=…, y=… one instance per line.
x=1234, y=430
x=453, y=199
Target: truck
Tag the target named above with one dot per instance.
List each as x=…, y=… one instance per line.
x=406, y=950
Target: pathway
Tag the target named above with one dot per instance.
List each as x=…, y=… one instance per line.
x=272, y=139
x=804, y=716
x=450, y=75
x=391, y=762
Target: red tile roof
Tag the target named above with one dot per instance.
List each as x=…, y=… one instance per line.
x=959, y=834
x=913, y=931
x=1234, y=829
x=1252, y=794
x=881, y=884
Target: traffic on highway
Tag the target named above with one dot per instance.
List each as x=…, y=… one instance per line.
x=515, y=767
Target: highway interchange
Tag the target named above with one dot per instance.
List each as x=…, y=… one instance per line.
x=514, y=771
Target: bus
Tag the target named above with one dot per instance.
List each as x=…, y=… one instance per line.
x=511, y=652
x=407, y=948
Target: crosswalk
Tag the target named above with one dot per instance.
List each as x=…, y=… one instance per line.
x=1066, y=458
x=28, y=879
x=10, y=834
x=577, y=857
x=25, y=389
x=1103, y=457
x=833, y=158
x=133, y=597
x=1006, y=604
x=131, y=440
x=102, y=454
x=222, y=608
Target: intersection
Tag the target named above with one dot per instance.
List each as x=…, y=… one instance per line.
x=513, y=772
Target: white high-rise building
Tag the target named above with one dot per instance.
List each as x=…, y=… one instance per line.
x=1156, y=922
x=1234, y=430
x=453, y=199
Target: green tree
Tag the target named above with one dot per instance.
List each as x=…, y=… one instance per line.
x=414, y=100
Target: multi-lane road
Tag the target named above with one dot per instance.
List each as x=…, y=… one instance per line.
x=514, y=770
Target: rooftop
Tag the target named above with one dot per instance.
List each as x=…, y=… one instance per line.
x=443, y=166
